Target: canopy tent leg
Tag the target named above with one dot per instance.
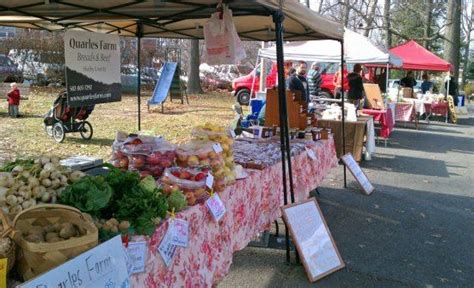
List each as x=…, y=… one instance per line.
x=284, y=137
x=139, y=96
x=387, y=76
x=343, y=117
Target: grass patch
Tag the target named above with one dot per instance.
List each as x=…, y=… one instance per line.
x=25, y=136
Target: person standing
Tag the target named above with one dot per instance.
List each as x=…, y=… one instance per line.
x=337, y=80
x=13, y=98
x=314, y=80
x=356, y=87
x=453, y=88
x=408, y=81
x=426, y=85
x=295, y=83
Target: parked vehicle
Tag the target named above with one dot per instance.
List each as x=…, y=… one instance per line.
x=9, y=72
x=393, y=84
x=242, y=86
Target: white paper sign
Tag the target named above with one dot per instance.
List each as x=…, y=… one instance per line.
x=92, y=68
x=167, y=249
x=232, y=133
x=217, y=148
x=209, y=180
x=180, y=230
x=311, y=154
x=357, y=172
x=137, y=256
x=102, y=266
x=312, y=238
x=216, y=207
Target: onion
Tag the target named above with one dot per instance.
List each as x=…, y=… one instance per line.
x=49, y=167
x=55, y=160
x=45, y=197
x=3, y=191
x=55, y=183
x=33, y=181
x=11, y=200
x=17, y=170
x=44, y=174
x=36, y=191
x=20, y=199
x=76, y=176
x=46, y=182
x=44, y=160
x=63, y=179
x=25, y=174
x=15, y=209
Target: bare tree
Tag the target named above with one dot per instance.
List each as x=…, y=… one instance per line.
x=468, y=28
x=386, y=18
x=194, y=81
x=428, y=19
x=452, y=42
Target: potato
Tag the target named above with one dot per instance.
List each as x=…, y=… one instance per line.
x=35, y=238
x=67, y=231
x=36, y=230
x=50, y=228
x=51, y=235
x=123, y=226
x=114, y=229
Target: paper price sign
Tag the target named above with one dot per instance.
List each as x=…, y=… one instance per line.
x=136, y=252
x=311, y=154
x=209, y=180
x=180, y=230
x=167, y=249
x=232, y=133
x=216, y=207
x=217, y=148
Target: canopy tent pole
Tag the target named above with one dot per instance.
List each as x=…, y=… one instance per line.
x=139, y=100
x=343, y=117
x=387, y=77
x=284, y=137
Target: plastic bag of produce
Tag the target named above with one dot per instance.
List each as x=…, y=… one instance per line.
x=191, y=181
x=119, y=158
x=149, y=155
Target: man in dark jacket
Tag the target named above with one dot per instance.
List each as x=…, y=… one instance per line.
x=356, y=86
x=453, y=88
x=408, y=81
x=314, y=80
x=296, y=84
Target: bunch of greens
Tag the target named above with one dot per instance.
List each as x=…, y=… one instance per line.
x=27, y=164
x=143, y=205
x=89, y=194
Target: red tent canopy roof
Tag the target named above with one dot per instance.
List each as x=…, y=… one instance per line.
x=417, y=57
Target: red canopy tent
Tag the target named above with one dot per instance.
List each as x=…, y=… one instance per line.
x=417, y=57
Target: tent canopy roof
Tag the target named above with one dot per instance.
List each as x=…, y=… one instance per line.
x=167, y=18
x=417, y=57
x=357, y=49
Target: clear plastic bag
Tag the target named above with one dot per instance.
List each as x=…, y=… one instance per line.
x=191, y=181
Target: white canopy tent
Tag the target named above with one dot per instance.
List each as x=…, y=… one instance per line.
x=357, y=49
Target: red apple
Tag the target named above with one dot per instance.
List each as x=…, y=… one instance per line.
x=154, y=158
x=123, y=163
x=166, y=163
x=144, y=173
x=138, y=161
x=185, y=175
x=200, y=176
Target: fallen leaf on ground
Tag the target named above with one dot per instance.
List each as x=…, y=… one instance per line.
x=361, y=245
x=436, y=235
x=423, y=215
x=429, y=243
x=376, y=206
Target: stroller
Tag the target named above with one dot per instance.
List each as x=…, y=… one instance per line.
x=62, y=119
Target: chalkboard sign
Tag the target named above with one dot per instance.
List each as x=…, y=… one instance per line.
x=358, y=174
x=312, y=238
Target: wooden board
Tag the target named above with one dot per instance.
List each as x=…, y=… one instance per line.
x=272, y=112
x=374, y=96
x=358, y=174
x=407, y=93
x=312, y=238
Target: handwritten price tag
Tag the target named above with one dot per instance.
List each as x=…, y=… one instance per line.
x=180, y=230
x=136, y=252
x=311, y=154
x=217, y=148
x=232, y=133
x=209, y=180
x=216, y=207
x=167, y=249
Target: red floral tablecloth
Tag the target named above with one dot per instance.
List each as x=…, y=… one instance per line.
x=252, y=204
x=405, y=111
x=440, y=108
x=385, y=118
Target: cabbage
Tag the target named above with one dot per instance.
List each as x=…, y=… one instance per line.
x=148, y=184
x=176, y=200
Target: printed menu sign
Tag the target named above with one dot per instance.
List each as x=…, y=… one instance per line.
x=312, y=238
x=358, y=174
x=137, y=256
x=102, y=266
x=92, y=68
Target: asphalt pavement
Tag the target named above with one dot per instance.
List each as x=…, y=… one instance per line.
x=415, y=230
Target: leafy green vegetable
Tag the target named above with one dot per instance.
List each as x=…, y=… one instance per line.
x=148, y=183
x=176, y=200
x=89, y=194
x=142, y=208
x=27, y=164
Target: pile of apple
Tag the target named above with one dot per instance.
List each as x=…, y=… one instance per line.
x=202, y=154
x=217, y=134
x=192, y=182
x=151, y=164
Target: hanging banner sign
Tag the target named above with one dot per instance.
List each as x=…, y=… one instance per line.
x=102, y=266
x=92, y=68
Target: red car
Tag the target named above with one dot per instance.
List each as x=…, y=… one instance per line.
x=243, y=85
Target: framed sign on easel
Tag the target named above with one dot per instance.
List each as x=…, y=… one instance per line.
x=314, y=242
x=358, y=174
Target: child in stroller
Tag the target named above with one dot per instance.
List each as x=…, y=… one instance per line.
x=62, y=119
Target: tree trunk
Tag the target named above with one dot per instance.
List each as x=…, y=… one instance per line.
x=453, y=35
x=370, y=17
x=320, y=8
x=347, y=11
x=386, y=19
x=194, y=81
x=465, y=70
x=427, y=24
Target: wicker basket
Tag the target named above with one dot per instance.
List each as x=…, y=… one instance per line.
x=34, y=259
x=7, y=230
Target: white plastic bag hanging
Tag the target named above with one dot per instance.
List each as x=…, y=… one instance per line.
x=222, y=44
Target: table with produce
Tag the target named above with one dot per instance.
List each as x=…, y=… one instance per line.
x=52, y=214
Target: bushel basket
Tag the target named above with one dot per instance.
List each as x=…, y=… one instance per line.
x=5, y=241
x=34, y=259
